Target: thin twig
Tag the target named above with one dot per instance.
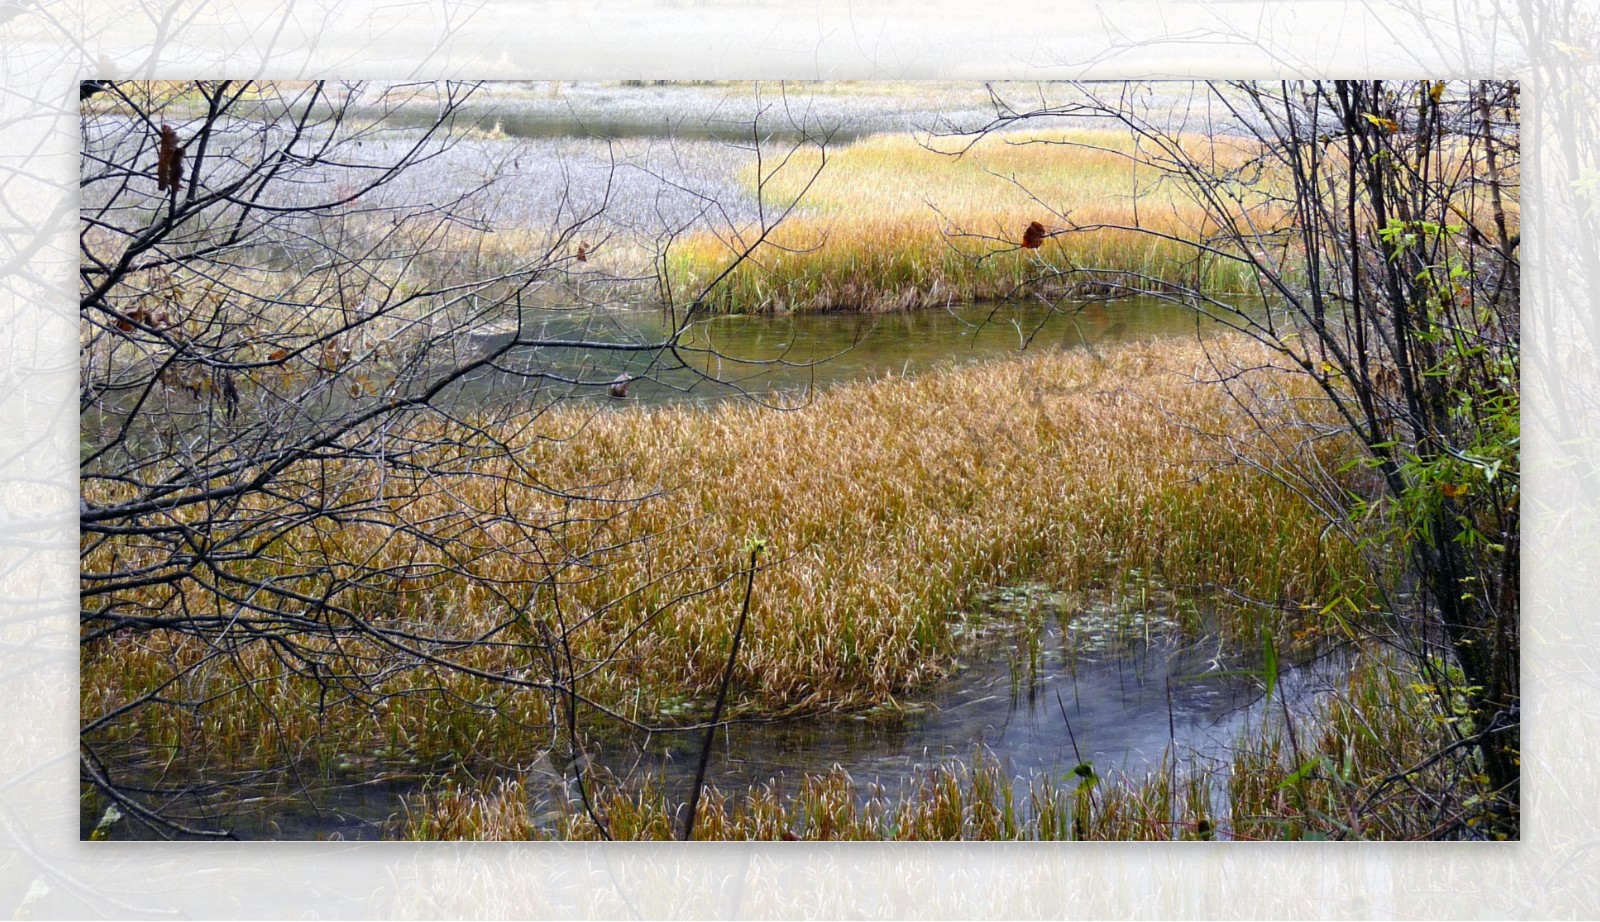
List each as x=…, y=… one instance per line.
x=722, y=696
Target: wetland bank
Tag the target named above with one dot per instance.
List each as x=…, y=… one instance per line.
x=785, y=461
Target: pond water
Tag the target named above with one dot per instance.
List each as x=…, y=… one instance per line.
x=1108, y=681
x=782, y=360
x=764, y=356
x=1055, y=679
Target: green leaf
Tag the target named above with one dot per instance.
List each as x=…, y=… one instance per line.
x=1300, y=773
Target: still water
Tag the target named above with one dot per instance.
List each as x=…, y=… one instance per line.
x=780, y=360
x=1111, y=682
x=788, y=357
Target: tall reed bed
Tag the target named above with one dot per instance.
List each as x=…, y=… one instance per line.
x=900, y=221
x=887, y=506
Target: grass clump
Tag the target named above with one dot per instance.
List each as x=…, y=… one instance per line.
x=1381, y=761
x=896, y=221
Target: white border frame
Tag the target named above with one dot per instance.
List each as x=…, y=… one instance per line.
x=49, y=45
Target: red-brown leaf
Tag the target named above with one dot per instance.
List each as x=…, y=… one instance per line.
x=169, y=161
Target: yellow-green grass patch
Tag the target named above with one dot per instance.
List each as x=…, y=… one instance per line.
x=887, y=504
x=897, y=221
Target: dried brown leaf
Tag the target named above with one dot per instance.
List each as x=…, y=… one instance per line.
x=169, y=161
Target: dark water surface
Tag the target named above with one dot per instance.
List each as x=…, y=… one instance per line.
x=771, y=356
x=775, y=359
x=1114, y=686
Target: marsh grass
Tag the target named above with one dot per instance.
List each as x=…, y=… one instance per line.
x=1381, y=761
x=487, y=811
x=1361, y=764
x=888, y=506
x=954, y=803
x=980, y=801
x=898, y=221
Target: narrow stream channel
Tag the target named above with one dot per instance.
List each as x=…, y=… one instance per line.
x=761, y=356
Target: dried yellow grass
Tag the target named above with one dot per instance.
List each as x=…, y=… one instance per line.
x=897, y=221
x=888, y=504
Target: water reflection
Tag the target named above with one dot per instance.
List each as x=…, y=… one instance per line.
x=766, y=356
x=1115, y=686
x=778, y=359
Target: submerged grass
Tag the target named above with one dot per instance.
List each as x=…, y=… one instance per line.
x=887, y=504
x=1373, y=761
x=896, y=221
